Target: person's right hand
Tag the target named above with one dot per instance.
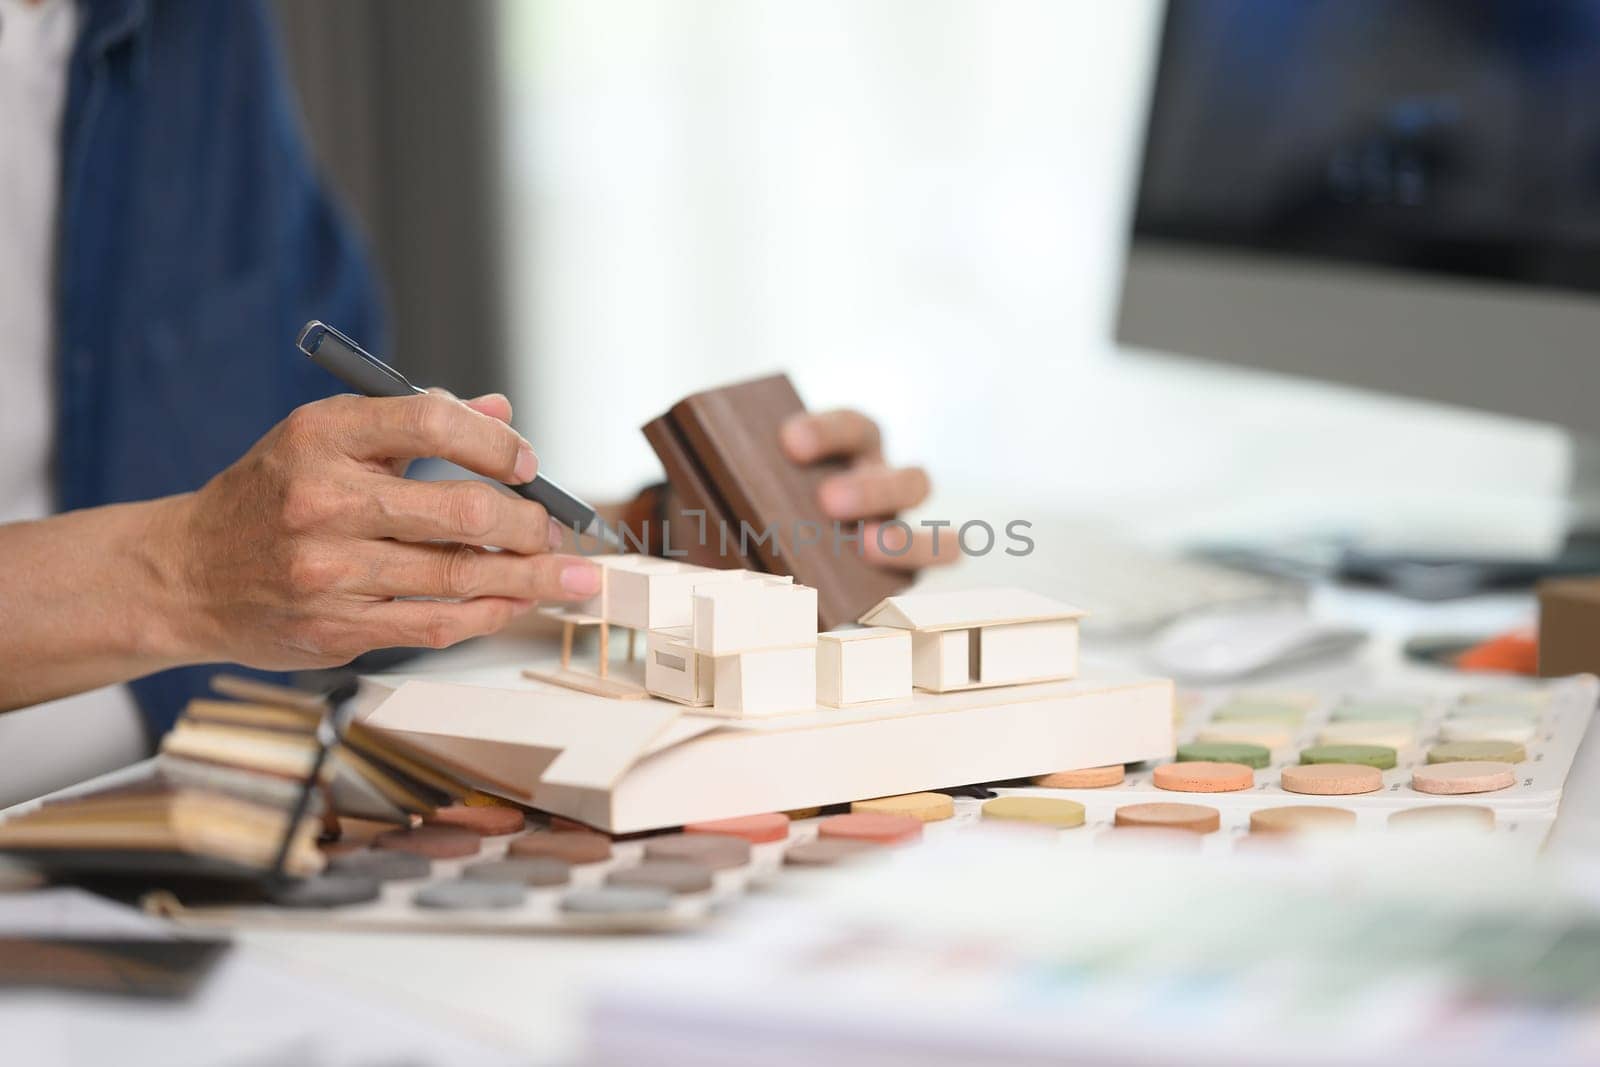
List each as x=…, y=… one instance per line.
x=298, y=554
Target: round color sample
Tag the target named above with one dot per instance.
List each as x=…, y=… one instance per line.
x=1203, y=776
x=871, y=826
x=1301, y=819
x=924, y=807
x=1252, y=711
x=1376, y=711
x=719, y=852
x=1462, y=712
x=673, y=876
x=1534, y=699
x=1380, y=756
x=1331, y=779
x=1194, y=818
x=616, y=900
x=1088, y=778
x=487, y=819
x=1256, y=756
x=1443, y=817
x=327, y=891
x=1518, y=731
x=1265, y=734
x=571, y=847
x=1462, y=751
x=825, y=852
x=756, y=829
x=434, y=842
x=534, y=870
x=1393, y=735
x=385, y=866
x=1047, y=811
x=470, y=896
x=1468, y=776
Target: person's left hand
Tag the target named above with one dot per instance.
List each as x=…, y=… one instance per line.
x=869, y=490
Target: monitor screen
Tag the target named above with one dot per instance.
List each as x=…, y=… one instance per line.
x=1455, y=137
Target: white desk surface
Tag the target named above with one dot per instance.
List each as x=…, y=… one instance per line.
x=528, y=991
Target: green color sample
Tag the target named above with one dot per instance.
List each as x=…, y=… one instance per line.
x=1247, y=711
x=1376, y=711
x=1256, y=756
x=1494, y=711
x=1458, y=751
x=1380, y=756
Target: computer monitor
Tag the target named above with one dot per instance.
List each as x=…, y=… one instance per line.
x=1402, y=195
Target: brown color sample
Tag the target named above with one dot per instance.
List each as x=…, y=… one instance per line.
x=825, y=852
x=1331, y=779
x=1301, y=818
x=1468, y=776
x=1195, y=818
x=871, y=826
x=434, y=842
x=675, y=876
x=729, y=438
x=720, y=852
x=574, y=847
x=756, y=829
x=1203, y=776
x=1088, y=778
x=480, y=819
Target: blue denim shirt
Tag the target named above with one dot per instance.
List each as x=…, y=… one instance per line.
x=195, y=239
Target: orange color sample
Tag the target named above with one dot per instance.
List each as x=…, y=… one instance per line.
x=1203, y=776
x=756, y=829
x=871, y=826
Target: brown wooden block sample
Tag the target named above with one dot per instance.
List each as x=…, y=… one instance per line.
x=721, y=451
x=1569, y=627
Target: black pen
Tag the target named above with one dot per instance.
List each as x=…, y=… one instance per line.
x=371, y=376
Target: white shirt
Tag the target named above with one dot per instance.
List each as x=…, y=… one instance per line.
x=54, y=744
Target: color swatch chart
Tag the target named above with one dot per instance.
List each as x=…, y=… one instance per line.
x=1263, y=760
x=491, y=866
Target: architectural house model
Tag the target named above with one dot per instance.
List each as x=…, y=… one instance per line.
x=863, y=665
x=983, y=637
x=755, y=632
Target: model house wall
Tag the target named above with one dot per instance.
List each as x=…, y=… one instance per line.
x=732, y=617
x=673, y=669
x=863, y=666
x=983, y=637
x=767, y=681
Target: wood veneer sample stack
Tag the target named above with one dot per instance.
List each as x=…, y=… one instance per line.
x=721, y=453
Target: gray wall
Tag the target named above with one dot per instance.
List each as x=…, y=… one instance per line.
x=401, y=104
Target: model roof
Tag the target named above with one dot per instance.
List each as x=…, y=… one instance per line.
x=967, y=608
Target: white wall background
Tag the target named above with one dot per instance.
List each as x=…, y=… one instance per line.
x=918, y=207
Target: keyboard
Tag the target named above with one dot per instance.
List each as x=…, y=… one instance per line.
x=1129, y=590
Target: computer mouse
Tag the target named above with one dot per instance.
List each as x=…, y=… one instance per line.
x=1217, y=646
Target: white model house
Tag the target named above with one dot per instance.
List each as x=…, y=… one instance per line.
x=983, y=637
x=748, y=649
x=639, y=594
x=863, y=665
